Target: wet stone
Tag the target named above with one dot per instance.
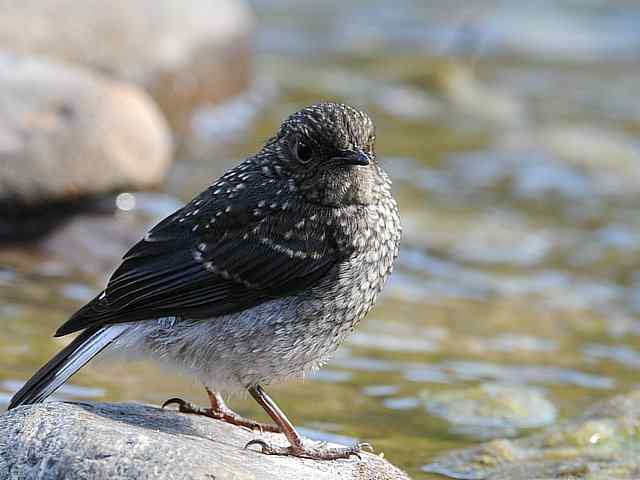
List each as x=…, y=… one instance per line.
x=603, y=443
x=490, y=410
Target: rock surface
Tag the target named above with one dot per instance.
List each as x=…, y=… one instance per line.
x=66, y=132
x=603, y=443
x=184, y=53
x=68, y=135
x=490, y=410
x=126, y=441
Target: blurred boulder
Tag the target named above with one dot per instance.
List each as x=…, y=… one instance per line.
x=490, y=410
x=185, y=53
x=602, y=443
x=68, y=138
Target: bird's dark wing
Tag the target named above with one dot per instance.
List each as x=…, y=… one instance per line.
x=189, y=266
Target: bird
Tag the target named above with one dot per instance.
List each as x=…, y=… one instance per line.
x=257, y=280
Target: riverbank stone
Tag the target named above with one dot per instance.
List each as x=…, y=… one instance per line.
x=128, y=441
x=602, y=443
x=68, y=138
x=490, y=410
x=185, y=54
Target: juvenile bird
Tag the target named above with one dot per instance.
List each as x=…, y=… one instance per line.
x=258, y=279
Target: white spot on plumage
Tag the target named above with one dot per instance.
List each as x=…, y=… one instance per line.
x=289, y=251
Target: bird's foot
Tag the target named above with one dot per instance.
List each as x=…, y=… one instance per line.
x=223, y=413
x=317, y=451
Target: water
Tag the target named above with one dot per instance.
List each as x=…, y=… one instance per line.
x=512, y=138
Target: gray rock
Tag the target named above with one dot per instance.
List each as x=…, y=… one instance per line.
x=490, y=410
x=66, y=132
x=184, y=53
x=126, y=441
x=601, y=444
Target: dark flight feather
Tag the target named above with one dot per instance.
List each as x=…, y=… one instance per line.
x=235, y=263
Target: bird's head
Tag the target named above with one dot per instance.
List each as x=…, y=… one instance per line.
x=327, y=151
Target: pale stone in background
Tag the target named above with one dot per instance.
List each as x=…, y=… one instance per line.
x=67, y=132
x=185, y=53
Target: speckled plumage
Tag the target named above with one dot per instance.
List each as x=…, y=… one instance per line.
x=261, y=276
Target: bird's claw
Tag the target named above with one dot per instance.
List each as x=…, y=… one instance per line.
x=365, y=445
x=264, y=445
x=318, y=452
x=225, y=415
x=184, y=406
x=171, y=401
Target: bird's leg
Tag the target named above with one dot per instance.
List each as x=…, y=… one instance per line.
x=220, y=411
x=297, y=448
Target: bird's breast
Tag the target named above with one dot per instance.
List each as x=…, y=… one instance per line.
x=370, y=237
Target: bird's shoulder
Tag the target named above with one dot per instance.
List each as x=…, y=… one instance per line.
x=240, y=198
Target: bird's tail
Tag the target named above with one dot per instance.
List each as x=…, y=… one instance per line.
x=61, y=367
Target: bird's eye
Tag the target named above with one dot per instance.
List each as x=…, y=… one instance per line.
x=303, y=152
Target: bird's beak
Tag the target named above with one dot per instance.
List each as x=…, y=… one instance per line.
x=356, y=157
